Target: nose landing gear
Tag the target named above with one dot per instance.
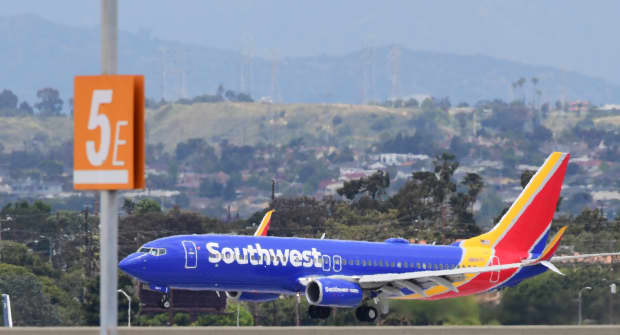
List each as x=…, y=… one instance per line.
x=366, y=313
x=165, y=301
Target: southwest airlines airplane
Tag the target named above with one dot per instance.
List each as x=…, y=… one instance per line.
x=335, y=273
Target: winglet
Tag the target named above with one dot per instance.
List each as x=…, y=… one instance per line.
x=264, y=224
x=553, y=245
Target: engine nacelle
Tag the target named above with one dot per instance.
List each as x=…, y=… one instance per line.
x=333, y=293
x=251, y=296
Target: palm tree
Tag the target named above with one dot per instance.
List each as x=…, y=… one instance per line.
x=534, y=83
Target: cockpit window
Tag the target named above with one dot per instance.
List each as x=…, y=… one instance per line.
x=153, y=251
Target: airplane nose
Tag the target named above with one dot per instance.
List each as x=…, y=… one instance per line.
x=131, y=265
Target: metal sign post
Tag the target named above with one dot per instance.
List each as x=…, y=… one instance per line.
x=108, y=150
x=108, y=299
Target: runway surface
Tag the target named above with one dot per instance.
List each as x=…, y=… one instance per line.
x=433, y=330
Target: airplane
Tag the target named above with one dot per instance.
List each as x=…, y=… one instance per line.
x=352, y=274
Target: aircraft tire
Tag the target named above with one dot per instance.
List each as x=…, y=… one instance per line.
x=366, y=313
x=165, y=302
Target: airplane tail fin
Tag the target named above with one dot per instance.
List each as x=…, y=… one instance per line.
x=264, y=224
x=525, y=227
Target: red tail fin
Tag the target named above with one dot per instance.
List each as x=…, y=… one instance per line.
x=527, y=221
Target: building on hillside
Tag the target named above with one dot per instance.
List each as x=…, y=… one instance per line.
x=609, y=107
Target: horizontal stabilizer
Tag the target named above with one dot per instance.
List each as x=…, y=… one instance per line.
x=551, y=267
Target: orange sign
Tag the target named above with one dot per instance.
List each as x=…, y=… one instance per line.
x=108, y=130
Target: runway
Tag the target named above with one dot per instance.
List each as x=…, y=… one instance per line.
x=433, y=330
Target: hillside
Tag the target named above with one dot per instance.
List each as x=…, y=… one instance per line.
x=340, y=78
x=251, y=123
x=358, y=126
x=18, y=132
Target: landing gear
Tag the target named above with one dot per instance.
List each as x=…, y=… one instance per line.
x=165, y=301
x=319, y=312
x=366, y=313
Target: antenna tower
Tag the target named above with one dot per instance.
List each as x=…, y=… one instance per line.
x=394, y=58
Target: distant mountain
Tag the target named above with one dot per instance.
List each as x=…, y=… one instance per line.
x=35, y=53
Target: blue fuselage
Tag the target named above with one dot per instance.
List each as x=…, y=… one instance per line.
x=274, y=264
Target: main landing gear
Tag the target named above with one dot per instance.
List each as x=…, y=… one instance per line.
x=366, y=313
x=319, y=312
x=165, y=301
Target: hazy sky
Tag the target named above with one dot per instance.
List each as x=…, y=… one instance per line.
x=568, y=34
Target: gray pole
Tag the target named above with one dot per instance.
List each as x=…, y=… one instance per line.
x=108, y=306
x=128, y=306
x=238, y=311
x=6, y=310
x=579, y=310
x=579, y=298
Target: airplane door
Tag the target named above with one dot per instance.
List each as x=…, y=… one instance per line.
x=337, y=266
x=191, y=256
x=326, y=263
x=495, y=274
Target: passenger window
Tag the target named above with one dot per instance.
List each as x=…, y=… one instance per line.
x=417, y=265
x=405, y=265
x=374, y=262
x=381, y=263
x=357, y=262
x=392, y=264
x=363, y=262
x=398, y=265
x=350, y=262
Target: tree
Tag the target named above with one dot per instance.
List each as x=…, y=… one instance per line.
x=374, y=185
x=474, y=184
x=129, y=206
x=50, y=103
x=526, y=176
x=8, y=100
x=30, y=304
x=229, y=318
x=25, y=108
x=147, y=206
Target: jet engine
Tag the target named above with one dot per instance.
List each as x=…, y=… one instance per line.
x=333, y=293
x=251, y=296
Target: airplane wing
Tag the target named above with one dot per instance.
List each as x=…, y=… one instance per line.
x=390, y=284
x=418, y=281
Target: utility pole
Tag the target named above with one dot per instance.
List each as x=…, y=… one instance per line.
x=580, y=301
x=297, y=302
x=108, y=305
x=612, y=291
